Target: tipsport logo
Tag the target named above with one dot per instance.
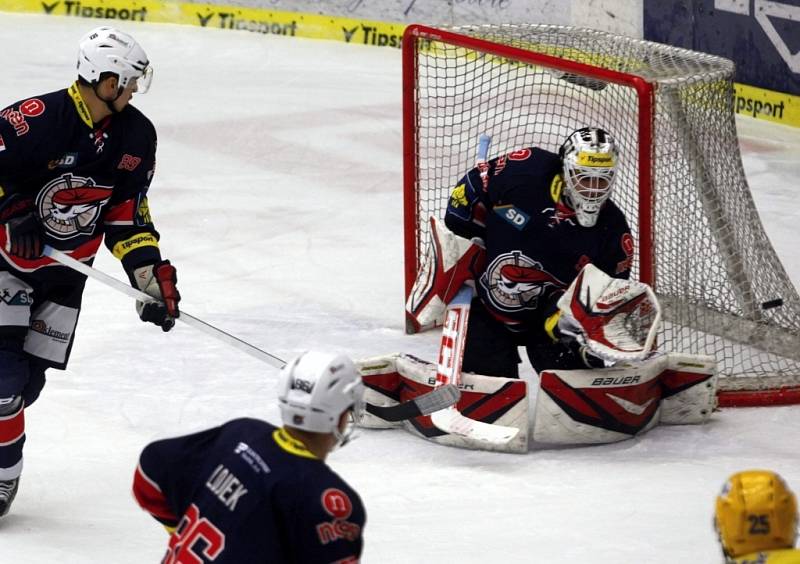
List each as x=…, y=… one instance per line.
x=370, y=35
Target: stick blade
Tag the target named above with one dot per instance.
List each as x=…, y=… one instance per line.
x=440, y=398
x=451, y=421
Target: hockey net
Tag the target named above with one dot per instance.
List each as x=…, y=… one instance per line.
x=700, y=242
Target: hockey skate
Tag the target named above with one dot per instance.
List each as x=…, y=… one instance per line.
x=8, y=490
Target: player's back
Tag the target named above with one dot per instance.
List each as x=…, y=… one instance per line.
x=249, y=493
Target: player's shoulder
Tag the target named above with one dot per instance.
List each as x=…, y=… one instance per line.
x=40, y=103
x=529, y=157
x=138, y=124
x=784, y=556
x=38, y=110
x=614, y=217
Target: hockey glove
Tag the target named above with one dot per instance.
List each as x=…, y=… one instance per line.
x=159, y=280
x=24, y=236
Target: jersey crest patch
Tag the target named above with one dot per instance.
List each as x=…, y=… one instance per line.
x=515, y=282
x=70, y=205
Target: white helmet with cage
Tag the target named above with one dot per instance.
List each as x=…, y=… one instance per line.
x=106, y=49
x=315, y=389
x=589, y=156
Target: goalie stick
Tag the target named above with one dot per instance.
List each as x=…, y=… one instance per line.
x=425, y=404
x=448, y=372
x=451, y=349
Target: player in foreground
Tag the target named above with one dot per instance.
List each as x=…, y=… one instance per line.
x=756, y=519
x=542, y=217
x=250, y=492
x=75, y=166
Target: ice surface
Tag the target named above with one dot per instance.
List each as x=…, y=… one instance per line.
x=278, y=196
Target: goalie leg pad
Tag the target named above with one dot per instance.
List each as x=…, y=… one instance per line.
x=689, y=385
x=396, y=378
x=598, y=406
x=382, y=386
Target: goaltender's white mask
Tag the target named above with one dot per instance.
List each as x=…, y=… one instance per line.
x=589, y=158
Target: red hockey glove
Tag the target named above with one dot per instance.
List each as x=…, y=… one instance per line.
x=159, y=280
x=24, y=236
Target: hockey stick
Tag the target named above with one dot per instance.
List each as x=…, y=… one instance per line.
x=448, y=372
x=451, y=350
x=424, y=404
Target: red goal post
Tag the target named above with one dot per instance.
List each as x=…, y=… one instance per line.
x=700, y=243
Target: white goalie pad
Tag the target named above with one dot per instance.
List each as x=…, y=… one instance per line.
x=689, y=388
x=616, y=319
x=449, y=264
x=613, y=404
x=394, y=378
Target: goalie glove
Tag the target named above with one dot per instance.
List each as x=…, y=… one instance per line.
x=158, y=280
x=567, y=332
x=616, y=319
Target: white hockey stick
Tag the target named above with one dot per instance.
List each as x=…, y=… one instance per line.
x=448, y=371
x=424, y=404
x=120, y=286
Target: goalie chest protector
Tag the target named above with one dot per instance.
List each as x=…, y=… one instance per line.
x=535, y=245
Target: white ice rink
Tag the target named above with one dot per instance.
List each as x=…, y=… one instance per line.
x=278, y=197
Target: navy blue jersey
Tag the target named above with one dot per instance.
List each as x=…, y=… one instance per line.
x=83, y=180
x=534, y=244
x=247, y=492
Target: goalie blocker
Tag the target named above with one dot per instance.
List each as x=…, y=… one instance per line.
x=572, y=406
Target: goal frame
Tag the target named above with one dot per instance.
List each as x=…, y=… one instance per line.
x=413, y=39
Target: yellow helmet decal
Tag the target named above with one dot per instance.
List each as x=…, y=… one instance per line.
x=599, y=160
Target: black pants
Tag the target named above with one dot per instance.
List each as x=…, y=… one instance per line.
x=492, y=349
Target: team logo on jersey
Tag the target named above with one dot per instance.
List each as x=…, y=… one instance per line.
x=515, y=282
x=70, y=205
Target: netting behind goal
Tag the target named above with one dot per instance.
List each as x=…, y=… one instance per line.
x=700, y=242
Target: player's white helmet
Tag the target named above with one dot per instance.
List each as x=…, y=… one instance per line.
x=106, y=49
x=589, y=156
x=315, y=389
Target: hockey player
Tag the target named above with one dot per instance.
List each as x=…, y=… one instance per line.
x=250, y=492
x=543, y=217
x=756, y=519
x=75, y=166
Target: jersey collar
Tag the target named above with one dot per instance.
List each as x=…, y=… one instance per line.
x=80, y=105
x=291, y=445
